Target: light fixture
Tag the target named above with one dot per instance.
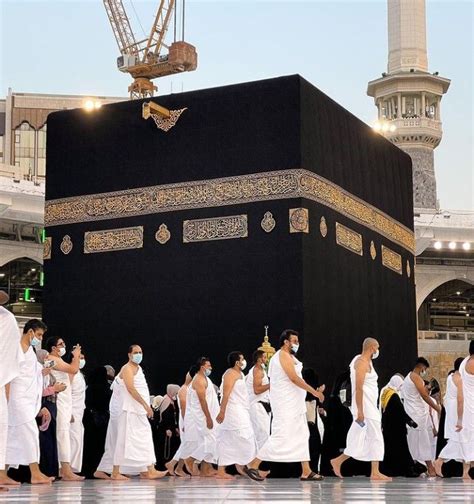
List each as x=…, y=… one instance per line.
x=392, y=128
x=467, y=315
x=458, y=293
x=434, y=299
x=377, y=126
x=464, y=307
x=452, y=245
x=466, y=246
x=438, y=245
x=89, y=105
x=2, y=275
x=33, y=270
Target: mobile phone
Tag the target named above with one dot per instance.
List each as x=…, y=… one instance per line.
x=49, y=364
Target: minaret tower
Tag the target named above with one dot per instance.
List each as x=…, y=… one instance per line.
x=408, y=97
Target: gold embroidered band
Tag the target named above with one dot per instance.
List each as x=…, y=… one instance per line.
x=276, y=185
x=349, y=239
x=110, y=240
x=217, y=228
x=391, y=260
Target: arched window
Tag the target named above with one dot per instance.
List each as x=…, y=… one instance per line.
x=41, y=167
x=25, y=137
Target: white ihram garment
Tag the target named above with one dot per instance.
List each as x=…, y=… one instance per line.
x=365, y=443
x=468, y=416
x=23, y=407
x=236, y=442
x=63, y=419
x=11, y=357
x=289, y=440
x=78, y=387
x=182, y=434
x=134, y=448
x=200, y=442
x=258, y=414
x=454, y=447
x=419, y=438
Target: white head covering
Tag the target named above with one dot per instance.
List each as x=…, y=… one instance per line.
x=171, y=393
x=156, y=403
x=395, y=383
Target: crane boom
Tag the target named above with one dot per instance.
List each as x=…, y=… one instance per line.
x=144, y=59
x=121, y=26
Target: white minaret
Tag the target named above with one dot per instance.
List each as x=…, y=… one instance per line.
x=408, y=97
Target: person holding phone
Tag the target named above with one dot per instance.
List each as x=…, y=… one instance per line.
x=364, y=439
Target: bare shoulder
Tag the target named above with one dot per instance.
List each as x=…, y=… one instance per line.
x=361, y=365
x=199, y=382
x=470, y=366
x=416, y=379
x=457, y=378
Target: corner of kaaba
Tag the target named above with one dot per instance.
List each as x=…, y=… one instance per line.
x=251, y=205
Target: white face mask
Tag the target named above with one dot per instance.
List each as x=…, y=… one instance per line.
x=423, y=373
x=62, y=351
x=243, y=364
x=263, y=365
x=82, y=363
x=295, y=347
x=375, y=354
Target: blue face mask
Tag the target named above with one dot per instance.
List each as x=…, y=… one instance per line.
x=35, y=342
x=208, y=372
x=295, y=347
x=137, y=358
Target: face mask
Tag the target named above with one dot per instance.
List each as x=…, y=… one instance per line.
x=263, y=365
x=243, y=364
x=82, y=363
x=35, y=341
x=295, y=347
x=208, y=372
x=137, y=358
x=375, y=354
x=62, y=351
x=423, y=373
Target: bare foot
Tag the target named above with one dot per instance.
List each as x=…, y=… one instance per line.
x=181, y=473
x=336, y=467
x=467, y=478
x=119, y=477
x=6, y=481
x=437, y=465
x=224, y=475
x=240, y=469
x=41, y=479
x=72, y=477
x=191, y=467
x=263, y=474
x=209, y=473
x=380, y=477
x=101, y=475
x=154, y=474
x=170, y=467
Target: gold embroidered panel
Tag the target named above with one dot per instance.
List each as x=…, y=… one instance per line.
x=47, y=245
x=349, y=239
x=299, y=220
x=391, y=260
x=110, y=240
x=276, y=185
x=216, y=228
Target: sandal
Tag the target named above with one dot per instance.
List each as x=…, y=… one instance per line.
x=253, y=474
x=312, y=477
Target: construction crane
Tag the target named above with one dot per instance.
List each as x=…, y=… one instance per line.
x=151, y=57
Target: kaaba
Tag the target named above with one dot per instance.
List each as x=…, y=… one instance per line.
x=250, y=205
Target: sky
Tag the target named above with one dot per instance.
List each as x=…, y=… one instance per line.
x=67, y=47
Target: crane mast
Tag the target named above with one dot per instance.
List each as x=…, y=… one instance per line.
x=149, y=58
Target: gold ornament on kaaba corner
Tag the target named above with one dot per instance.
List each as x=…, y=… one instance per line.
x=408, y=269
x=323, y=227
x=47, y=248
x=268, y=222
x=163, y=235
x=266, y=347
x=299, y=220
x=66, y=245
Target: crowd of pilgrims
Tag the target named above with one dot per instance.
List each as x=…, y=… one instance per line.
x=59, y=421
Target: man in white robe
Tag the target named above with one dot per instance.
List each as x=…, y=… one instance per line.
x=466, y=370
x=236, y=443
x=24, y=405
x=76, y=432
x=258, y=387
x=417, y=403
x=202, y=407
x=364, y=439
x=134, y=447
x=11, y=357
x=289, y=440
x=62, y=372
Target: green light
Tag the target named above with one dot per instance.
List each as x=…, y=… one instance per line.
x=27, y=294
x=43, y=235
x=41, y=279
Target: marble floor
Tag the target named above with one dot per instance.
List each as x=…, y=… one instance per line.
x=355, y=490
